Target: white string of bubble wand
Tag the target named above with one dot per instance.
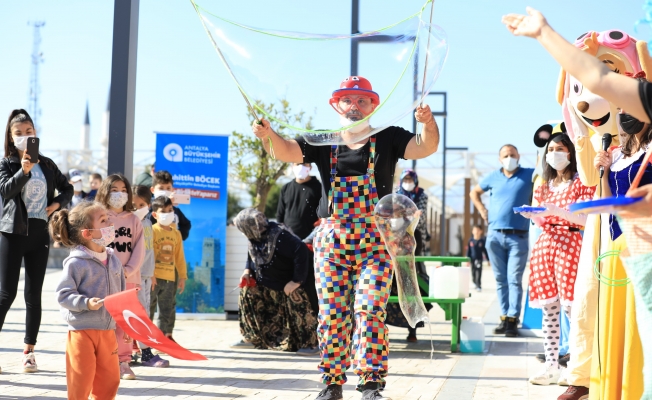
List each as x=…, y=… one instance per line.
x=252, y=110
x=425, y=65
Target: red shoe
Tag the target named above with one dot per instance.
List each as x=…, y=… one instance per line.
x=412, y=338
x=575, y=393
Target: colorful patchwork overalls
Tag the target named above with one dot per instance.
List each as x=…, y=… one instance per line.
x=352, y=267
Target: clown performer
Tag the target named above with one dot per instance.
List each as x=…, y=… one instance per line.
x=351, y=263
x=555, y=255
x=618, y=376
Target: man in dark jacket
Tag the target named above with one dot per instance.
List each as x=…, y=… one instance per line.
x=299, y=200
x=145, y=178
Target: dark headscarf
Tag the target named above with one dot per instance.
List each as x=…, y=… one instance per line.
x=261, y=233
x=415, y=193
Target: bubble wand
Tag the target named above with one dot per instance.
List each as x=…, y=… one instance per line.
x=226, y=64
x=425, y=66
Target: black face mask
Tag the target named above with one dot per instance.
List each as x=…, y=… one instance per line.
x=630, y=125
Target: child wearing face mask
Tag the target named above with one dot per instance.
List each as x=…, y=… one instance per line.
x=95, y=182
x=170, y=259
x=78, y=195
x=129, y=245
x=163, y=185
x=142, y=202
x=91, y=357
x=555, y=256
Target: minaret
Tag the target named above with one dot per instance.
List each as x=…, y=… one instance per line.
x=104, y=141
x=86, y=131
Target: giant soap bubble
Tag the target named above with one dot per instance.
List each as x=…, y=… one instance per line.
x=269, y=65
x=396, y=218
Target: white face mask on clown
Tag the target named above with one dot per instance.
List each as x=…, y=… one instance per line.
x=509, y=163
x=344, y=121
x=300, y=171
x=558, y=160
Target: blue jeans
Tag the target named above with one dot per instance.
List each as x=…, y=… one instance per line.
x=508, y=256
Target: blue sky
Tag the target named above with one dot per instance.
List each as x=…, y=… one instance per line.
x=500, y=88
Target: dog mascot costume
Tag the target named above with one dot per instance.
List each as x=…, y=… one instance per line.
x=605, y=358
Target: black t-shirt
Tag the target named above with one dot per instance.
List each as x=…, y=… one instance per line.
x=645, y=92
x=297, y=206
x=391, y=143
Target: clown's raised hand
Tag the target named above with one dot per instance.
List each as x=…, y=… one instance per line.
x=525, y=25
x=262, y=129
x=423, y=114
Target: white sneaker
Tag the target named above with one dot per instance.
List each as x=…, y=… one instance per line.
x=29, y=363
x=547, y=376
x=563, y=379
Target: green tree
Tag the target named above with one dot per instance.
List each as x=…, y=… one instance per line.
x=273, y=196
x=233, y=206
x=249, y=161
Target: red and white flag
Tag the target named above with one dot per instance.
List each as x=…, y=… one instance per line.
x=130, y=315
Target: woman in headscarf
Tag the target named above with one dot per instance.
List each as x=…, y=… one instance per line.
x=409, y=186
x=275, y=311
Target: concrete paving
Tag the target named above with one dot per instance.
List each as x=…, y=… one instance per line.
x=500, y=372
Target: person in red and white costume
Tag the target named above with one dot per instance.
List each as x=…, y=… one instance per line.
x=553, y=264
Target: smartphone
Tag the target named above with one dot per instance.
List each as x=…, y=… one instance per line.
x=181, y=198
x=32, y=149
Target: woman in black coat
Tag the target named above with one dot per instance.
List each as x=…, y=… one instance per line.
x=27, y=188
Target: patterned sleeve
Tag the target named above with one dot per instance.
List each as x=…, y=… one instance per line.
x=583, y=193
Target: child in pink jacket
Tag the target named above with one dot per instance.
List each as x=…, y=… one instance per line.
x=129, y=245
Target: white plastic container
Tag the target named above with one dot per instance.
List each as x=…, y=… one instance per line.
x=448, y=282
x=472, y=335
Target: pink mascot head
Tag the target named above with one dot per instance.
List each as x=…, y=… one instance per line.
x=585, y=113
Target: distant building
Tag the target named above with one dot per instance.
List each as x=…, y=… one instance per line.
x=211, y=271
x=86, y=131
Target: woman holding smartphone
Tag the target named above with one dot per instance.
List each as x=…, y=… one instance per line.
x=27, y=185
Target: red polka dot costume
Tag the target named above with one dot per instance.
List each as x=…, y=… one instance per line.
x=553, y=264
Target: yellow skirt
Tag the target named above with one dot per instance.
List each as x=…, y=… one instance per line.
x=617, y=362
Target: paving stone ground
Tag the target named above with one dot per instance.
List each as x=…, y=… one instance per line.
x=501, y=372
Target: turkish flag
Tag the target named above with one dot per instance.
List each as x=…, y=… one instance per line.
x=127, y=312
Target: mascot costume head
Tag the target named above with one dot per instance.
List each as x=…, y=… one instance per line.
x=585, y=113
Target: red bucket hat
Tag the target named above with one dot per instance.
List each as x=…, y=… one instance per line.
x=356, y=86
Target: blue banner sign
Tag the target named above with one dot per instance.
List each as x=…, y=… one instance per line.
x=198, y=164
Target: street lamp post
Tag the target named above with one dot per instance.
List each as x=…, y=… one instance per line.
x=123, y=87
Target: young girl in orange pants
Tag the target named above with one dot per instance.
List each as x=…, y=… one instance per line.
x=91, y=350
x=129, y=246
